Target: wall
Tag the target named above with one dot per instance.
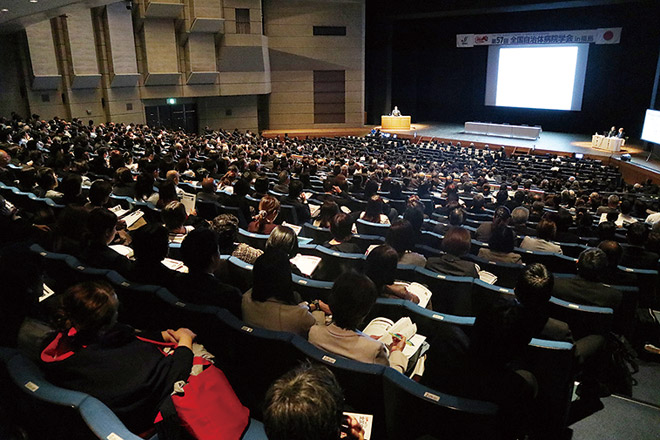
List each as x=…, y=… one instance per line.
x=212, y=112
x=435, y=81
x=295, y=53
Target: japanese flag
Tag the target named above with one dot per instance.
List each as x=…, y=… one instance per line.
x=608, y=36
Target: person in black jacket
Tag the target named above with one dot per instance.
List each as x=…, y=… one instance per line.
x=297, y=199
x=200, y=253
x=94, y=354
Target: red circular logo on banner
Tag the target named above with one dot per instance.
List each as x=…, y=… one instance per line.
x=607, y=36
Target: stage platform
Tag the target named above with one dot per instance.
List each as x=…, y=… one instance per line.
x=640, y=168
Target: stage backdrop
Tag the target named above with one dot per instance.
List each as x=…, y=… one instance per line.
x=433, y=80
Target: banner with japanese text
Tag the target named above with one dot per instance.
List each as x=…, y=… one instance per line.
x=597, y=36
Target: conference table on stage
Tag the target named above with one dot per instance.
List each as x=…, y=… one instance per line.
x=613, y=144
x=503, y=130
x=394, y=122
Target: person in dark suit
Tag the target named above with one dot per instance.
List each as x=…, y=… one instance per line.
x=208, y=193
x=634, y=254
x=587, y=288
x=297, y=199
x=102, y=228
x=612, y=132
x=150, y=247
x=200, y=253
x=621, y=134
x=456, y=244
x=533, y=291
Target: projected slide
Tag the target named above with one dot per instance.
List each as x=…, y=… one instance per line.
x=651, y=130
x=542, y=77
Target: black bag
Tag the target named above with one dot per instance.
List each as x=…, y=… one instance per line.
x=622, y=364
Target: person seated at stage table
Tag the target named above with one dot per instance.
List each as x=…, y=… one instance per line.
x=456, y=244
x=612, y=132
x=621, y=134
x=396, y=111
x=545, y=234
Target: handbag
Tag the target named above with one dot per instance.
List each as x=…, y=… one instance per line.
x=208, y=407
x=206, y=404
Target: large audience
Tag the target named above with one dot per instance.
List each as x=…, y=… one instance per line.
x=83, y=180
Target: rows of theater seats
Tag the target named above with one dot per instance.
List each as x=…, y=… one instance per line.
x=253, y=358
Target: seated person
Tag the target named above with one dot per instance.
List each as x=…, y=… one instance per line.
x=401, y=236
x=199, y=251
x=545, y=233
x=456, y=219
x=264, y=222
x=374, y=211
x=533, y=291
x=70, y=232
x=500, y=247
x=283, y=238
x=208, y=194
x=174, y=217
x=99, y=194
x=519, y=217
x=352, y=297
x=46, y=184
x=271, y=303
x=307, y=403
x=150, y=247
x=501, y=217
x=282, y=185
x=340, y=228
x=226, y=227
x=327, y=211
x=261, y=186
x=612, y=274
x=456, y=244
x=587, y=288
x=166, y=193
x=101, y=230
x=380, y=267
x=605, y=231
x=71, y=188
x=94, y=354
x=634, y=254
x=124, y=184
x=296, y=198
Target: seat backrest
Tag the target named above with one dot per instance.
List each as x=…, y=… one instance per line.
x=507, y=273
x=318, y=235
x=370, y=228
x=647, y=282
x=206, y=209
x=413, y=410
x=255, y=240
x=287, y=214
x=485, y=295
x=451, y=294
x=364, y=241
x=554, y=262
x=38, y=399
x=333, y=263
x=553, y=364
x=310, y=289
x=582, y=320
x=362, y=383
x=251, y=358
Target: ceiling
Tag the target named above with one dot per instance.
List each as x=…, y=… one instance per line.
x=21, y=13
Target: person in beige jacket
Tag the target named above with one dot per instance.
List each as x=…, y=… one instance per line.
x=352, y=297
x=272, y=304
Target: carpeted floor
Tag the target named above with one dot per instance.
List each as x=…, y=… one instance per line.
x=648, y=383
x=620, y=419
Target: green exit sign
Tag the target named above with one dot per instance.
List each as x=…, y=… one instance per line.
x=171, y=101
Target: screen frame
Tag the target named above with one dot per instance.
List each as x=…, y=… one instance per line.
x=646, y=118
x=492, y=71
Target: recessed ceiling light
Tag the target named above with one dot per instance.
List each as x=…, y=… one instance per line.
x=34, y=1
x=4, y=10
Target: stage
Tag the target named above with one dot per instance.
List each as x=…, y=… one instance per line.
x=640, y=168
